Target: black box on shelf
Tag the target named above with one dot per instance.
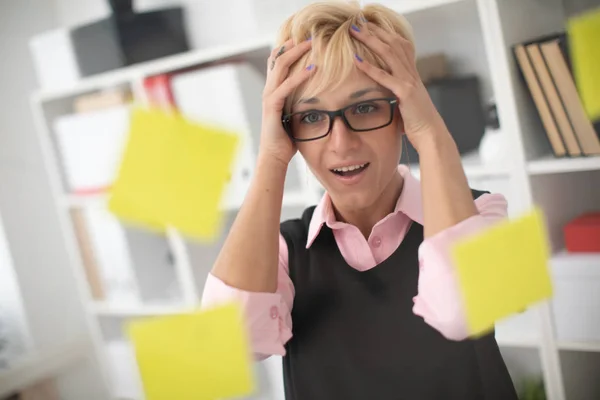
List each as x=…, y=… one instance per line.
x=126, y=38
x=459, y=102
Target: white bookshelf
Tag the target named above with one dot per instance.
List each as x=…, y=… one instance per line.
x=552, y=165
x=477, y=35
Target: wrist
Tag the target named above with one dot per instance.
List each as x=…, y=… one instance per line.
x=272, y=162
x=432, y=139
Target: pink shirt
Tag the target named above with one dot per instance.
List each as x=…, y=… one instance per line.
x=438, y=300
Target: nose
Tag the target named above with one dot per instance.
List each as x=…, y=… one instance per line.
x=342, y=139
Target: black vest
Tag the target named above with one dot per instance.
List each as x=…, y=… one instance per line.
x=355, y=335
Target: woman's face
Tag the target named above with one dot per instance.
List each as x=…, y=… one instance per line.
x=354, y=167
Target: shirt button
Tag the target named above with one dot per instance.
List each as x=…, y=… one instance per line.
x=376, y=241
x=274, y=312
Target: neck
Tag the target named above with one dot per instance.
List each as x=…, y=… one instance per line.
x=365, y=218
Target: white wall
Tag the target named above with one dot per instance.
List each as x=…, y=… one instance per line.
x=30, y=218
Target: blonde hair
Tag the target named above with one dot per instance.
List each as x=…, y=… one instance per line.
x=328, y=24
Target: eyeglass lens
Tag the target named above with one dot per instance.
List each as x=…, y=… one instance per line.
x=367, y=115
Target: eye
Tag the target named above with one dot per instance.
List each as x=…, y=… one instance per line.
x=311, y=117
x=365, y=108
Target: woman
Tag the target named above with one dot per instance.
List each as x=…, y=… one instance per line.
x=358, y=294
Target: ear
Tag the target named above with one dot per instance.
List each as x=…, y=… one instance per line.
x=401, y=129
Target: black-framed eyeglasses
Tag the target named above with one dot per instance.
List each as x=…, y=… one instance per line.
x=365, y=115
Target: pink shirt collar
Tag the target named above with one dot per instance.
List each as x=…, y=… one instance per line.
x=409, y=203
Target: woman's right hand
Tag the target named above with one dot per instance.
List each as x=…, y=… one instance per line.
x=274, y=141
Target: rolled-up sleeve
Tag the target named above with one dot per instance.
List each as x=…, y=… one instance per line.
x=438, y=300
x=267, y=315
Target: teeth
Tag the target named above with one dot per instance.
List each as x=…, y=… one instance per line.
x=349, y=168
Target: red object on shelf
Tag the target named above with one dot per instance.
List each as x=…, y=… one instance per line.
x=158, y=90
x=582, y=234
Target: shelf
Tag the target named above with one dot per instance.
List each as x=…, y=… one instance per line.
x=38, y=367
x=474, y=168
x=135, y=310
x=167, y=64
x=568, y=260
x=291, y=199
x=553, y=165
x=84, y=201
x=410, y=6
x=579, y=346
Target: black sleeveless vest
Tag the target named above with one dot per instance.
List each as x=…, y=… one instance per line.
x=355, y=335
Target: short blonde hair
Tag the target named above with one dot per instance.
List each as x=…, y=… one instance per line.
x=328, y=24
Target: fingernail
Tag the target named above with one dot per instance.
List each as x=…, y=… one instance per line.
x=310, y=67
x=309, y=39
x=358, y=57
x=355, y=28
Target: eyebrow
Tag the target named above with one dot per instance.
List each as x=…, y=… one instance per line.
x=355, y=95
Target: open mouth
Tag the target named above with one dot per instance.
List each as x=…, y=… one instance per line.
x=350, y=170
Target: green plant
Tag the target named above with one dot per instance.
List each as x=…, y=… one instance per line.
x=532, y=389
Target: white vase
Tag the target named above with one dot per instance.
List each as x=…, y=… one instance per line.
x=493, y=148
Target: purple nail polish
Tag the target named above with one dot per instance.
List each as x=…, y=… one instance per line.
x=355, y=28
x=310, y=67
x=358, y=57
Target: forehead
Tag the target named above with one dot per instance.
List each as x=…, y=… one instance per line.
x=343, y=92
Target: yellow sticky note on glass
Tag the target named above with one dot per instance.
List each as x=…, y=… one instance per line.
x=173, y=173
x=198, y=173
x=503, y=270
x=584, y=36
x=199, y=356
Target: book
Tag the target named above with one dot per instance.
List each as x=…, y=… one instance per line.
x=535, y=89
x=555, y=55
x=86, y=250
x=546, y=68
x=102, y=100
x=553, y=99
x=159, y=93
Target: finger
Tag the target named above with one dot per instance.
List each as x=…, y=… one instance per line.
x=285, y=46
x=382, y=49
x=278, y=97
x=403, y=47
x=380, y=76
x=275, y=53
x=283, y=63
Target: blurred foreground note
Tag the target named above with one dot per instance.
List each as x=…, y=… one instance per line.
x=173, y=173
x=200, y=356
x=503, y=270
x=584, y=38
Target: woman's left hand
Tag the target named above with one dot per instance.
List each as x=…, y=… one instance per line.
x=422, y=122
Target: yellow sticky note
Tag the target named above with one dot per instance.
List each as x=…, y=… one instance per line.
x=503, y=270
x=199, y=356
x=198, y=174
x=137, y=193
x=173, y=173
x=584, y=36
